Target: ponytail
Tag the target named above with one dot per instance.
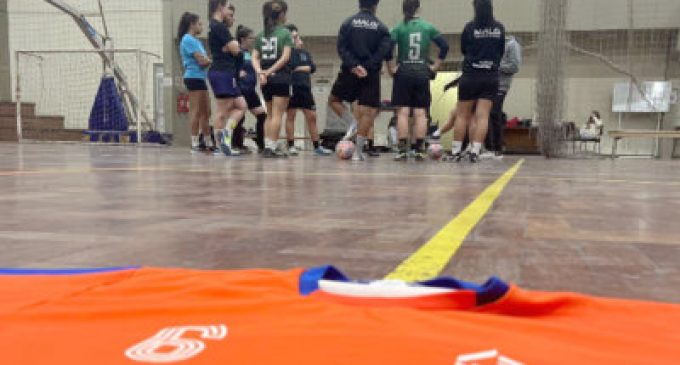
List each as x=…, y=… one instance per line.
x=272, y=11
x=185, y=23
x=243, y=32
x=213, y=5
x=410, y=8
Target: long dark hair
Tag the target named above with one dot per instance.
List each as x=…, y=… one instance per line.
x=410, y=8
x=271, y=14
x=213, y=5
x=188, y=19
x=243, y=32
x=484, y=12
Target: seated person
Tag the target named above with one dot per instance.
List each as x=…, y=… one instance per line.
x=593, y=127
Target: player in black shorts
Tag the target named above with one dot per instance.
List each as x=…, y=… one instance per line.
x=412, y=75
x=483, y=46
x=227, y=61
x=248, y=84
x=302, y=65
x=364, y=43
x=271, y=56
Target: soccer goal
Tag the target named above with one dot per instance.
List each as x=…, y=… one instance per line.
x=72, y=95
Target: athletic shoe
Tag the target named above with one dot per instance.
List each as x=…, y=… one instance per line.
x=487, y=155
x=498, y=156
x=225, y=143
x=244, y=151
x=420, y=156
x=454, y=157
x=373, y=153
x=358, y=157
x=198, y=149
x=280, y=152
x=321, y=151
x=293, y=151
x=401, y=157
x=474, y=158
x=268, y=153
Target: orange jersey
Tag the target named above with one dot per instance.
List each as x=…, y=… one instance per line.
x=152, y=316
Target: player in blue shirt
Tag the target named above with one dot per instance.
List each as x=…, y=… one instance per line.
x=195, y=61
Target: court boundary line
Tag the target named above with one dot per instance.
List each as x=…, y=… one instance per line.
x=433, y=257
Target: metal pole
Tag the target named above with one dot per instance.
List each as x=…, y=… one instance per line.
x=18, y=98
x=658, y=140
x=139, y=90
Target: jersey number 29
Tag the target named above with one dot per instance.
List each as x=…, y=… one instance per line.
x=270, y=48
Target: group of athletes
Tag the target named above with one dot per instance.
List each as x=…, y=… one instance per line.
x=276, y=60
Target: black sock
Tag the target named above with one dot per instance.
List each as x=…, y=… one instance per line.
x=291, y=144
x=316, y=144
x=403, y=145
x=371, y=145
x=413, y=147
x=419, y=145
x=238, y=137
x=261, y=118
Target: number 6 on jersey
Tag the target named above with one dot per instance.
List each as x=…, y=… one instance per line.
x=175, y=348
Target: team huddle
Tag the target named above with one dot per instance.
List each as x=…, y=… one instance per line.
x=276, y=60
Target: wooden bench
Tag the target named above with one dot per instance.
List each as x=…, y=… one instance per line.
x=619, y=135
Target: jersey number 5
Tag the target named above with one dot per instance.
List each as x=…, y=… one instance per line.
x=414, y=46
x=270, y=48
x=174, y=347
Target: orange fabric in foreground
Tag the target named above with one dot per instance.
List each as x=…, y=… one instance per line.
x=258, y=317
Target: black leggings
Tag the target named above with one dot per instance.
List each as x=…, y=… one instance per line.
x=495, y=136
x=238, y=139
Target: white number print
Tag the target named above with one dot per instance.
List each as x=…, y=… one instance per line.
x=414, y=46
x=270, y=48
x=174, y=347
x=492, y=357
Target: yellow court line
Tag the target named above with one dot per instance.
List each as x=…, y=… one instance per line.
x=431, y=259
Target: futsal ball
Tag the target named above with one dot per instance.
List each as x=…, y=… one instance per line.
x=435, y=151
x=345, y=150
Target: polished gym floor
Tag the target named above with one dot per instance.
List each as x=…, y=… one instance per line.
x=602, y=227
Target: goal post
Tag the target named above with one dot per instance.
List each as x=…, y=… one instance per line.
x=71, y=95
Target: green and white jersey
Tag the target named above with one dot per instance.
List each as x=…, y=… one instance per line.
x=271, y=46
x=413, y=40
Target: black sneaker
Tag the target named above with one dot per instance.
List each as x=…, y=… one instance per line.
x=268, y=153
x=198, y=149
x=373, y=153
x=474, y=158
x=450, y=157
x=244, y=151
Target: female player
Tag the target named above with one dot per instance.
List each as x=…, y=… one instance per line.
x=303, y=67
x=483, y=46
x=195, y=61
x=412, y=74
x=248, y=84
x=227, y=60
x=273, y=48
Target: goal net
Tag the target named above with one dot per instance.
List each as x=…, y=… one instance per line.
x=70, y=95
x=586, y=51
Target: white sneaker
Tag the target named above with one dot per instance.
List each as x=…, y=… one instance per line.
x=358, y=157
x=293, y=151
x=487, y=155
